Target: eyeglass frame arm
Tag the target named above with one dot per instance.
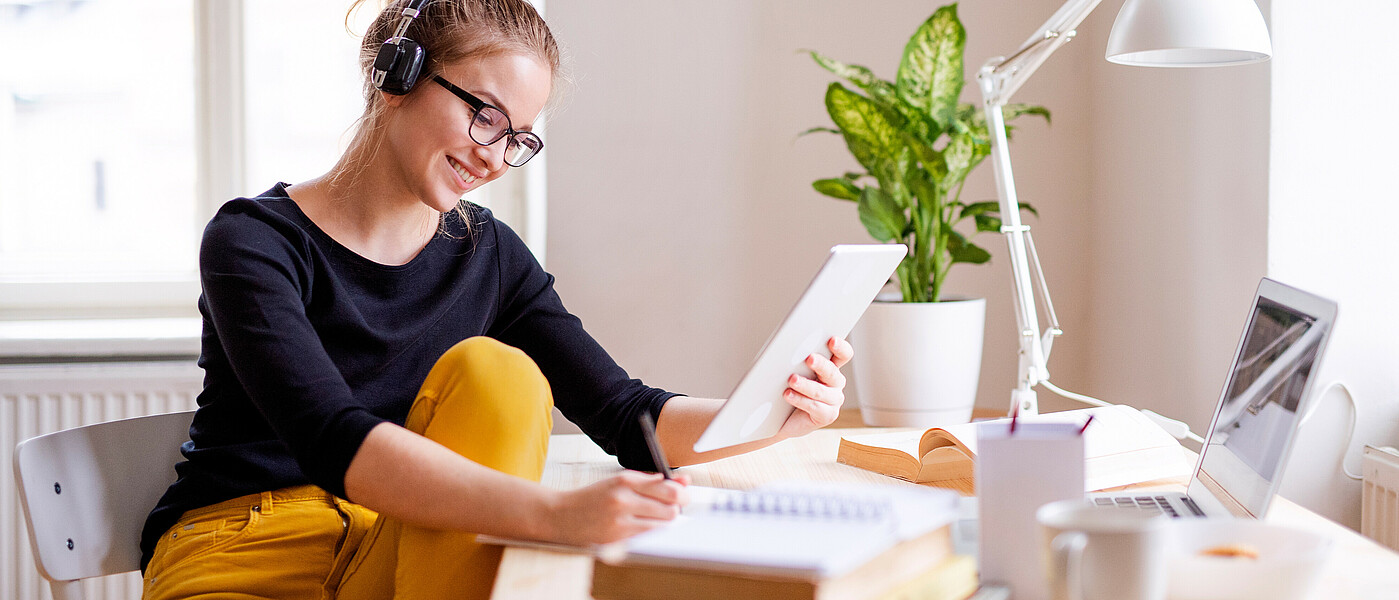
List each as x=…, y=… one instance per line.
x=999, y=79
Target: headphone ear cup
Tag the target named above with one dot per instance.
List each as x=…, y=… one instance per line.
x=398, y=65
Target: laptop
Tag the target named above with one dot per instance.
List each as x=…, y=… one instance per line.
x=1259, y=412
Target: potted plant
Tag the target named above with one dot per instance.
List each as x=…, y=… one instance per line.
x=920, y=359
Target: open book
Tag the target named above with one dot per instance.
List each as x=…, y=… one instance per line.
x=1121, y=447
x=799, y=540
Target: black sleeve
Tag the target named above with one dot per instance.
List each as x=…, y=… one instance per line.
x=589, y=387
x=256, y=280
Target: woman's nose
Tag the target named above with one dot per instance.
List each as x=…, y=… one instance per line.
x=493, y=155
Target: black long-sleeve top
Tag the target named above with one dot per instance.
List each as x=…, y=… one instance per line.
x=307, y=346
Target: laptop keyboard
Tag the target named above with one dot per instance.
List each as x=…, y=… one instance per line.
x=1150, y=503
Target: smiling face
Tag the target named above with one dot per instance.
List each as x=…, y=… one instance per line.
x=427, y=146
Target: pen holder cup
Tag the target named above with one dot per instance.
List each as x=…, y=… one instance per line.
x=1016, y=473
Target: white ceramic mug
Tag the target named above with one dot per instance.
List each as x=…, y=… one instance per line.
x=1104, y=553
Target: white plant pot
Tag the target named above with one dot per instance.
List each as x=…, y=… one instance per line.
x=917, y=364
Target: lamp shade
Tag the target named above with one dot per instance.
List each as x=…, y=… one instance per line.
x=1188, y=33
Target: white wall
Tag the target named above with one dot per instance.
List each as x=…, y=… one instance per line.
x=1330, y=223
x=682, y=219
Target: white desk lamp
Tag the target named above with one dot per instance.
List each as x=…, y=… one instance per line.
x=1157, y=33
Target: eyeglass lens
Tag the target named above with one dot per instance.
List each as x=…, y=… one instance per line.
x=489, y=125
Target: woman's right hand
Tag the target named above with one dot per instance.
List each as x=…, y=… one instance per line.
x=617, y=507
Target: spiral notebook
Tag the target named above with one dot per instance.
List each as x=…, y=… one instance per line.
x=810, y=531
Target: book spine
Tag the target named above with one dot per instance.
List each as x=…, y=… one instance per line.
x=623, y=582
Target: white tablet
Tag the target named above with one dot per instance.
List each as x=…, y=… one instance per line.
x=834, y=300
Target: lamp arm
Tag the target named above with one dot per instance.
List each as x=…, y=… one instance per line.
x=1012, y=72
x=1033, y=366
x=998, y=80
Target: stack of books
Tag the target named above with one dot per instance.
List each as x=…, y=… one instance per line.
x=797, y=541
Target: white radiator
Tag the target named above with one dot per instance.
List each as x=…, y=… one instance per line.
x=39, y=399
x=1379, y=496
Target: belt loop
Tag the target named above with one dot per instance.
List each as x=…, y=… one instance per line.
x=265, y=507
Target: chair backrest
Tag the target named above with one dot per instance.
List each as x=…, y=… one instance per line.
x=86, y=492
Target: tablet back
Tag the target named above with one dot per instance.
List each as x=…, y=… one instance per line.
x=831, y=305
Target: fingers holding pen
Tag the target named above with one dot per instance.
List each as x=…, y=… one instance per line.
x=648, y=496
x=666, y=491
x=617, y=507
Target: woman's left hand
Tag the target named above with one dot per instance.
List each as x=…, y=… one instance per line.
x=817, y=401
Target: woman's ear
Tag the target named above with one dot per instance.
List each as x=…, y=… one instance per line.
x=391, y=99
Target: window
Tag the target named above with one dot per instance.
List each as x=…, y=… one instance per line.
x=125, y=123
x=303, y=89
x=97, y=140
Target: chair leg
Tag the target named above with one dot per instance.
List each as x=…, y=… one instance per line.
x=67, y=590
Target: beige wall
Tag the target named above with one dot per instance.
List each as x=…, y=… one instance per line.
x=682, y=222
x=1178, y=238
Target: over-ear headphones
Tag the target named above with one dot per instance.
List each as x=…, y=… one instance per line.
x=400, y=59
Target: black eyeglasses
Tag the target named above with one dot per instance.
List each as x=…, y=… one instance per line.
x=490, y=124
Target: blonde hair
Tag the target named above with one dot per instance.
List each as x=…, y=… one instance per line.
x=449, y=31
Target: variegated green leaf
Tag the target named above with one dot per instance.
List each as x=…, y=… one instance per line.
x=838, y=187
x=818, y=130
x=862, y=77
x=923, y=188
x=881, y=216
x=1012, y=111
x=872, y=139
x=963, y=251
x=960, y=155
x=988, y=223
x=930, y=74
x=980, y=208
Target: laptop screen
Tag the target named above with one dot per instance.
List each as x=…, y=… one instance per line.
x=1258, y=414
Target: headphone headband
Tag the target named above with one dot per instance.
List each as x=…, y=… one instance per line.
x=400, y=60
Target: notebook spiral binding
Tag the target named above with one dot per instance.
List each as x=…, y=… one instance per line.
x=827, y=507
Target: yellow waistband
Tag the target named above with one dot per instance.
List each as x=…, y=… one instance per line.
x=266, y=500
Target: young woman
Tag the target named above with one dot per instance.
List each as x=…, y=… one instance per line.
x=382, y=358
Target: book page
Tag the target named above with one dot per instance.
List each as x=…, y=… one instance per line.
x=902, y=441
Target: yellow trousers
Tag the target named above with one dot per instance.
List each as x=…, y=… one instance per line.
x=483, y=399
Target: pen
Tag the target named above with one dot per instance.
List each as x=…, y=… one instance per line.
x=648, y=431
x=1085, y=425
x=1014, y=415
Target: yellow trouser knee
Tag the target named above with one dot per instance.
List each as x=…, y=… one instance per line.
x=488, y=402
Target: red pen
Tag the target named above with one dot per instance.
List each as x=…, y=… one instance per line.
x=1014, y=414
x=1085, y=425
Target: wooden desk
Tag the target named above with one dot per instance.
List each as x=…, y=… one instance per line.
x=1358, y=569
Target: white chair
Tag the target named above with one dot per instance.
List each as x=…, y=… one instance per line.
x=86, y=492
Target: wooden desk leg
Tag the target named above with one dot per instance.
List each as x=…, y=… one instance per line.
x=530, y=573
